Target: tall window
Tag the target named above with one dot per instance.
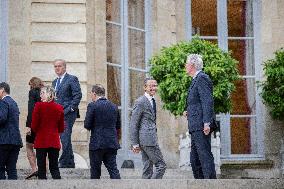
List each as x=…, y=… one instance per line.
x=128, y=50
x=231, y=24
x=3, y=39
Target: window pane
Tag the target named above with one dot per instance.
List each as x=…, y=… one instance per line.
x=243, y=135
x=136, y=49
x=243, y=98
x=204, y=17
x=114, y=84
x=240, y=18
x=243, y=51
x=136, y=13
x=113, y=43
x=136, y=82
x=113, y=10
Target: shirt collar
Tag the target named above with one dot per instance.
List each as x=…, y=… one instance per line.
x=196, y=73
x=61, y=77
x=5, y=96
x=148, y=97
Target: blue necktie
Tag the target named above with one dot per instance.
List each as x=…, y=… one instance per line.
x=57, y=83
x=154, y=106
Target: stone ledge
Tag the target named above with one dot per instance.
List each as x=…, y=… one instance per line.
x=256, y=164
x=145, y=183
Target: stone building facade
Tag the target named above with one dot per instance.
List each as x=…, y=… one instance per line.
x=110, y=41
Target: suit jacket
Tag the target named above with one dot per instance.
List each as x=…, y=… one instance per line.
x=200, y=104
x=103, y=120
x=143, y=130
x=9, y=122
x=34, y=97
x=68, y=93
x=47, y=123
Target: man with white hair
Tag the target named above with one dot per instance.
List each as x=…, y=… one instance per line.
x=199, y=112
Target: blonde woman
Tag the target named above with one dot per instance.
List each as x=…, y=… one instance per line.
x=47, y=123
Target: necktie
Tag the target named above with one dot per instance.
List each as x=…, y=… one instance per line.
x=154, y=106
x=57, y=83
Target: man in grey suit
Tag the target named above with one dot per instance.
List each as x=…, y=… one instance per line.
x=68, y=94
x=199, y=112
x=143, y=132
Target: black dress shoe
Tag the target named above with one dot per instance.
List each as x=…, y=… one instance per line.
x=34, y=174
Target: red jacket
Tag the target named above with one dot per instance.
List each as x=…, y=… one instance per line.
x=47, y=123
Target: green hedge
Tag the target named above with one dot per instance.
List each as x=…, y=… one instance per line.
x=273, y=87
x=168, y=68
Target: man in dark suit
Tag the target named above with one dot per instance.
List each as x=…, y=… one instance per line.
x=10, y=137
x=103, y=120
x=143, y=132
x=68, y=94
x=199, y=113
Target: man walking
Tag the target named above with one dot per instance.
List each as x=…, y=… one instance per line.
x=68, y=94
x=143, y=132
x=103, y=120
x=10, y=137
x=200, y=110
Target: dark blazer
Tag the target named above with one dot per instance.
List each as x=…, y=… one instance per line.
x=47, y=123
x=68, y=93
x=9, y=122
x=200, y=102
x=34, y=96
x=103, y=120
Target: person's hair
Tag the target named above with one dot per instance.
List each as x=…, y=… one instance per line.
x=196, y=60
x=36, y=83
x=50, y=93
x=61, y=60
x=5, y=86
x=98, y=90
x=148, y=79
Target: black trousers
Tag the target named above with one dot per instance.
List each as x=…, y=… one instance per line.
x=201, y=157
x=108, y=156
x=53, y=154
x=8, y=160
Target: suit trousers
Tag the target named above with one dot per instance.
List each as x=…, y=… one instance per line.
x=201, y=157
x=8, y=159
x=108, y=156
x=67, y=156
x=53, y=154
x=152, y=155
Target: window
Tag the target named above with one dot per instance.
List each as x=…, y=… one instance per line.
x=231, y=24
x=128, y=50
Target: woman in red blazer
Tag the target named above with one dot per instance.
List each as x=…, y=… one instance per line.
x=47, y=124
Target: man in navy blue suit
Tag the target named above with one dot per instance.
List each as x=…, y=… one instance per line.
x=103, y=120
x=199, y=111
x=69, y=95
x=10, y=137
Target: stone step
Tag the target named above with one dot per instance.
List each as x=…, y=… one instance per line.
x=144, y=184
x=125, y=174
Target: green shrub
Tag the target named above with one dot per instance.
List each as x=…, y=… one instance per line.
x=273, y=87
x=168, y=68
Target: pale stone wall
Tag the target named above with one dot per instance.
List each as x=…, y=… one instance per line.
x=272, y=27
x=164, y=20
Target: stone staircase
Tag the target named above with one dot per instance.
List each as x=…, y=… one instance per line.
x=69, y=174
x=143, y=184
